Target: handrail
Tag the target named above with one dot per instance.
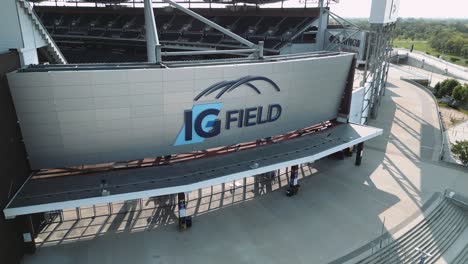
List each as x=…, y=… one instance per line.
x=451, y=194
x=207, y=52
x=173, y=64
x=45, y=33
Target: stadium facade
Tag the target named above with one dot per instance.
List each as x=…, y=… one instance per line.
x=108, y=102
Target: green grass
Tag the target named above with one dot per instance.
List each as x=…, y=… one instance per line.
x=463, y=111
x=444, y=105
x=423, y=46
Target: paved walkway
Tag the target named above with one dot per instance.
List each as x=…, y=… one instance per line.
x=453, y=69
x=459, y=132
x=340, y=207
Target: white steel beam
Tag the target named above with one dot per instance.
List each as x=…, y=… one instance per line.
x=211, y=24
x=152, y=40
x=321, y=30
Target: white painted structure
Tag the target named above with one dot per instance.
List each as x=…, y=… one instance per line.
x=384, y=11
x=348, y=40
x=70, y=118
x=23, y=31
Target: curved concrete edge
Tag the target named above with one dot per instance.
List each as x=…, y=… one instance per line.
x=407, y=224
x=443, y=135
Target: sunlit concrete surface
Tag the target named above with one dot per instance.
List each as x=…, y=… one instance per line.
x=452, y=134
x=340, y=208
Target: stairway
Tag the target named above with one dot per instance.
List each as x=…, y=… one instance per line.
x=462, y=258
x=434, y=235
x=52, y=49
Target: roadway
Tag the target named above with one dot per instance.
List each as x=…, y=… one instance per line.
x=417, y=72
x=340, y=208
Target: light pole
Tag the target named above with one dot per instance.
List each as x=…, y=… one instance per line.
x=423, y=255
x=430, y=76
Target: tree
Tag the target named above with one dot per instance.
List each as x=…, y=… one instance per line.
x=460, y=93
x=464, y=51
x=437, y=88
x=457, y=93
x=447, y=86
x=465, y=92
x=460, y=150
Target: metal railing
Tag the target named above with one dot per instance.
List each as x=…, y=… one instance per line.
x=43, y=31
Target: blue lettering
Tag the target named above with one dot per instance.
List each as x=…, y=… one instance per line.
x=271, y=108
x=231, y=118
x=249, y=114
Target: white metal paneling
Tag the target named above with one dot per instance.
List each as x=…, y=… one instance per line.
x=356, y=106
x=10, y=28
x=70, y=118
x=17, y=29
x=384, y=11
x=366, y=105
x=347, y=40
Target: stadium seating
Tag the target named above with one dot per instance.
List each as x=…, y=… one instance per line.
x=69, y=26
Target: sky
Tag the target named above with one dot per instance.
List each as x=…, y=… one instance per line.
x=408, y=8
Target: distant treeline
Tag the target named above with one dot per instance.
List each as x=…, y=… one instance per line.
x=447, y=36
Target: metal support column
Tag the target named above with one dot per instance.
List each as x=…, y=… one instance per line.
x=386, y=72
x=321, y=28
x=26, y=228
x=376, y=69
x=152, y=40
x=359, y=152
x=184, y=220
x=260, y=49
x=388, y=56
x=366, y=66
x=294, y=187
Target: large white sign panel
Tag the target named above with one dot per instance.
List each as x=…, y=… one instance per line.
x=384, y=11
x=70, y=118
x=347, y=40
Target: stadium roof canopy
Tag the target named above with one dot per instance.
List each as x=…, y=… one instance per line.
x=44, y=194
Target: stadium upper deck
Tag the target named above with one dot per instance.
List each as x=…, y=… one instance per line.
x=104, y=34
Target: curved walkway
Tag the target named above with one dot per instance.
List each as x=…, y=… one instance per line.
x=458, y=132
x=340, y=208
